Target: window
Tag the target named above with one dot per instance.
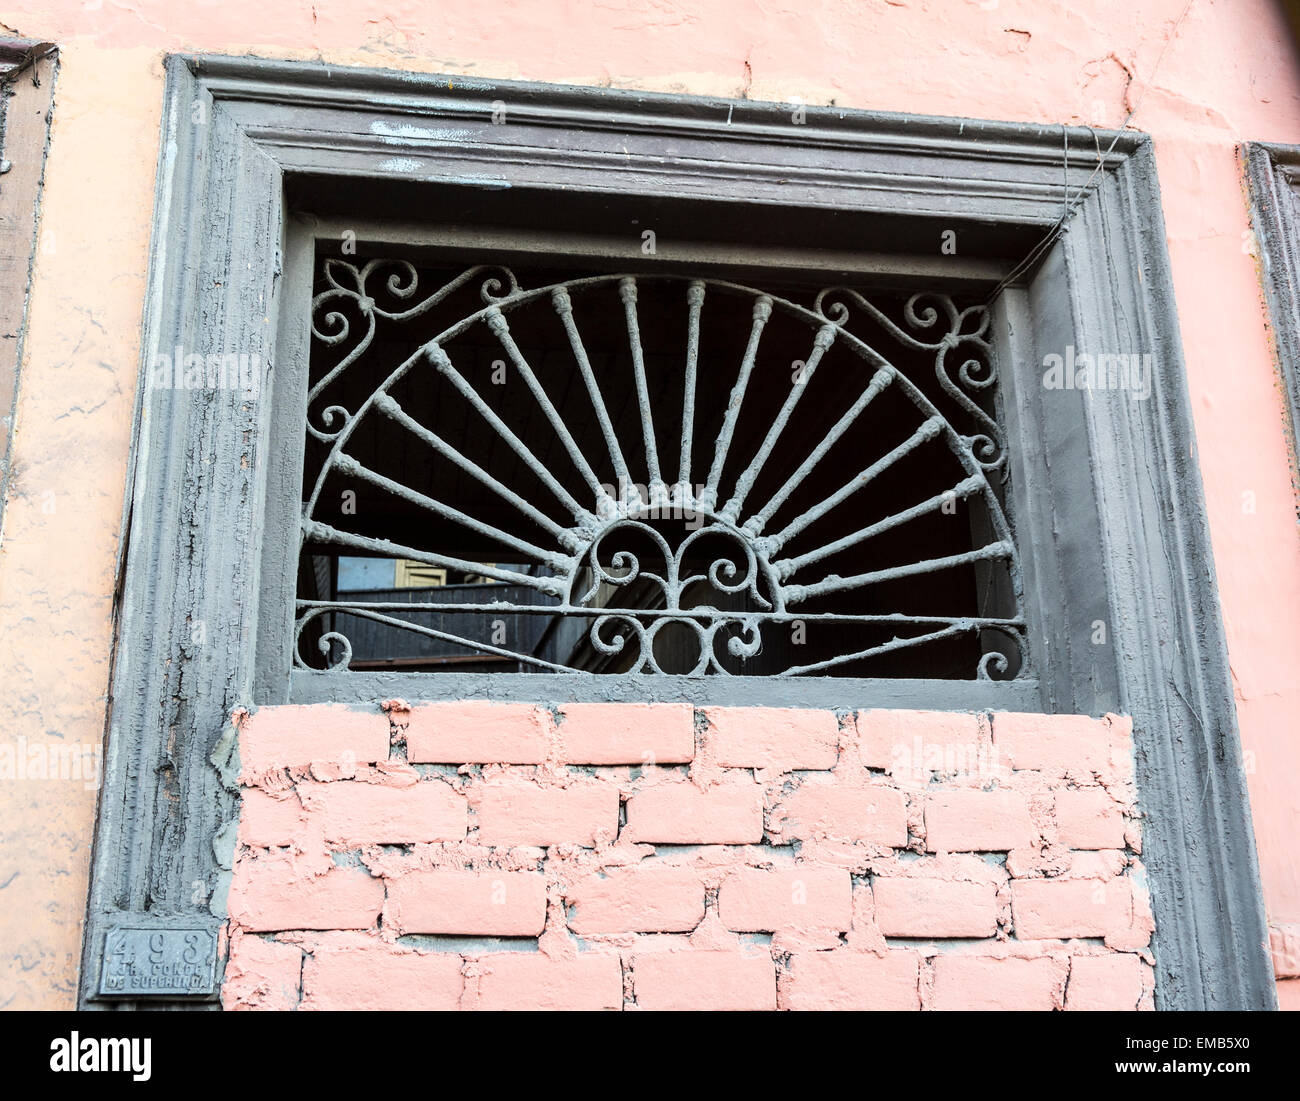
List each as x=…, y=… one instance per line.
x=618, y=473
x=271, y=166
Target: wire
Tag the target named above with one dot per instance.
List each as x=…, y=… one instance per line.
x=1053, y=234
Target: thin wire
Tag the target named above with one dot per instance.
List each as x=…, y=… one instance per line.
x=1053, y=234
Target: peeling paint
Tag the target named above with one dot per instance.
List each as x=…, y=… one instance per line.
x=611, y=921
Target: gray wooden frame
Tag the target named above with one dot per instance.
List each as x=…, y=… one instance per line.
x=198, y=551
x=1274, y=175
x=27, y=74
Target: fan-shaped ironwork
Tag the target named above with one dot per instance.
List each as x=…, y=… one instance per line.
x=585, y=539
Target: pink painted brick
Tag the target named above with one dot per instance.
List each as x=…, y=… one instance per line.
x=271, y=894
x=977, y=821
x=266, y=821
x=911, y=906
x=1059, y=744
x=875, y=815
x=530, y=980
x=477, y=732
x=627, y=733
x=489, y=902
x=522, y=812
x=261, y=974
x=777, y=738
x=643, y=898
x=697, y=979
x=1112, y=981
x=1089, y=818
x=984, y=983
x=349, y=813
x=726, y=813
x=301, y=734
x=889, y=739
x=1284, y=946
x=381, y=978
x=1288, y=995
x=1063, y=908
x=803, y=897
x=847, y=979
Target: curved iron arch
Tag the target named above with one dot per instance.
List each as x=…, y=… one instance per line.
x=574, y=568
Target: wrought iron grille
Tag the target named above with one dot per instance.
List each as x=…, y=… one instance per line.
x=654, y=473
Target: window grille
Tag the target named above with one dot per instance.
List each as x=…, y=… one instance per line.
x=653, y=473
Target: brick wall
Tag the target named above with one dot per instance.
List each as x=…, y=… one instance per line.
x=653, y=856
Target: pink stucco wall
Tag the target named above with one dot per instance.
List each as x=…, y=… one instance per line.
x=652, y=856
x=1230, y=75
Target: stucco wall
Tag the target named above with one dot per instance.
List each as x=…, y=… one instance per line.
x=1230, y=75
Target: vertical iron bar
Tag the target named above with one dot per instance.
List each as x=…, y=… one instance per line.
x=627, y=292
x=695, y=297
x=563, y=306
x=762, y=311
x=823, y=340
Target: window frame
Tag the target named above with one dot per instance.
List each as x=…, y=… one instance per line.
x=239, y=133
x=278, y=682
x=1273, y=173
x=27, y=73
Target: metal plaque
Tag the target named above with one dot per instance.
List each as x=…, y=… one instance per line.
x=143, y=962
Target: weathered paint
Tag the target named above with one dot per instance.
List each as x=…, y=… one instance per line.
x=1230, y=76
x=775, y=868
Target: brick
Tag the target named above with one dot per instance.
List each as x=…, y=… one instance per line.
x=261, y=974
x=903, y=740
x=297, y=735
x=1063, y=908
x=1288, y=995
x=874, y=815
x=266, y=821
x=726, y=813
x=1059, y=744
x=1284, y=946
x=530, y=980
x=641, y=898
x=1089, y=818
x=521, y=812
x=381, y=978
x=1112, y=981
x=911, y=906
x=779, y=738
x=627, y=733
x=977, y=821
x=355, y=813
x=693, y=979
x=473, y=903
x=805, y=897
x=984, y=983
x=268, y=895
x=477, y=732
x=847, y=979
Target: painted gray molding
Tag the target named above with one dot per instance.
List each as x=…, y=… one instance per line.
x=238, y=132
x=1274, y=175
